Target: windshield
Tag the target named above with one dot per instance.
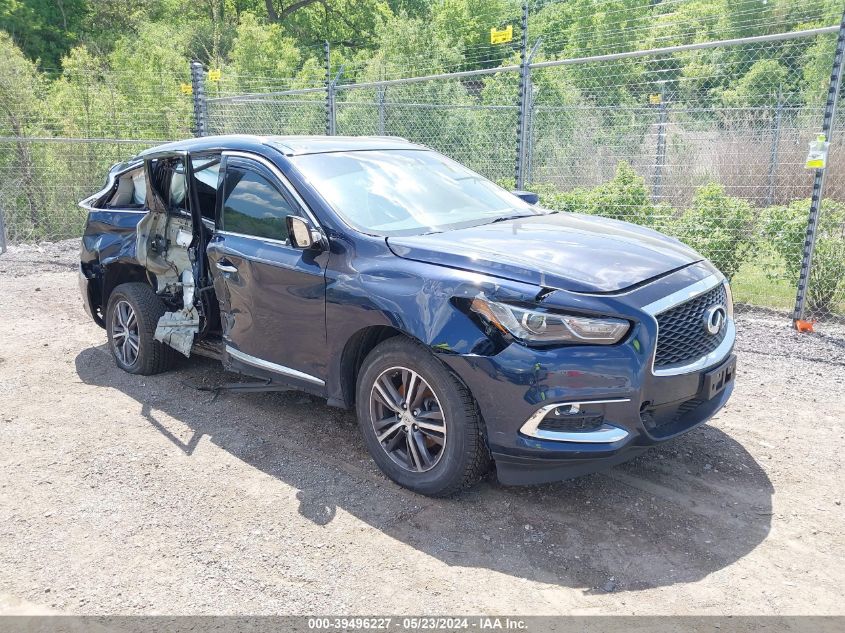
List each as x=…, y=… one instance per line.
x=407, y=192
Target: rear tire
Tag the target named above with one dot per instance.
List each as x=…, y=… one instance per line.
x=132, y=315
x=434, y=442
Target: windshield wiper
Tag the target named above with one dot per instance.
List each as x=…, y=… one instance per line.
x=505, y=218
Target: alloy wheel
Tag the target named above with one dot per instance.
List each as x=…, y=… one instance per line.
x=124, y=333
x=408, y=420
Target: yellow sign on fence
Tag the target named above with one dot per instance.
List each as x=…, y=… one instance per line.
x=655, y=98
x=501, y=36
x=186, y=89
x=215, y=75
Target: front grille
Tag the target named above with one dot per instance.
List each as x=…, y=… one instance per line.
x=681, y=336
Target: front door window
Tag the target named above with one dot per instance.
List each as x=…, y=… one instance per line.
x=253, y=206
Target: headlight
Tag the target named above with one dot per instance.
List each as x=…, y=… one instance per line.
x=535, y=326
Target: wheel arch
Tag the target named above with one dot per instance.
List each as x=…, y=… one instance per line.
x=356, y=349
x=358, y=346
x=121, y=272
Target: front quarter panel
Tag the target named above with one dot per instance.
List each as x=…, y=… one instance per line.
x=367, y=285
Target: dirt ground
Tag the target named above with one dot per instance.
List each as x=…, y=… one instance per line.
x=140, y=495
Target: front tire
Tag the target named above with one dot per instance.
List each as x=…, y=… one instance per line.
x=420, y=423
x=132, y=315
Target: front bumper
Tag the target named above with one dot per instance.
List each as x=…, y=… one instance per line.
x=518, y=467
x=636, y=407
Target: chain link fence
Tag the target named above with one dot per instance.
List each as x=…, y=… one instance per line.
x=634, y=136
x=705, y=142
x=58, y=141
x=724, y=171
x=43, y=179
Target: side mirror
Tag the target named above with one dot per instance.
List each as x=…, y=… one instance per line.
x=301, y=234
x=527, y=196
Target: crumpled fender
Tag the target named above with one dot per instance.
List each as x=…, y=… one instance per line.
x=423, y=301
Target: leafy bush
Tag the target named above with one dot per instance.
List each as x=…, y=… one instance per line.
x=552, y=198
x=624, y=197
x=574, y=201
x=785, y=228
x=758, y=86
x=719, y=227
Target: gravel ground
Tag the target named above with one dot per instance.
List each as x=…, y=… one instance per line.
x=140, y=495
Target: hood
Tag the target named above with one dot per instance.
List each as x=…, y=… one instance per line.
x=564, y=251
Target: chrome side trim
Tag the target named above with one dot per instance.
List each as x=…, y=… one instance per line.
x=606, y=434
x=279, y=369
x=705, y=361
x=684, y=294
x=257, y=238
x=92, y=209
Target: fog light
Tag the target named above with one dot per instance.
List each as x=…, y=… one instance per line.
x=581, y=422
x=570, y=418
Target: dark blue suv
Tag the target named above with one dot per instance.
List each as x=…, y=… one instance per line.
x=464, y=324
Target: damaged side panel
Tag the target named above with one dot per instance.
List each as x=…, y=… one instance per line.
x=162, y=247
x=133, y=235
x=108, y=246
x=399, y=295
x=164, y=239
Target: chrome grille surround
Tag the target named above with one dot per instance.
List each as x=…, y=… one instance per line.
x=682, y=337
x=680, y=316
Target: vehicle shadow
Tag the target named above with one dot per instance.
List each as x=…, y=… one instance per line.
x=676, y=514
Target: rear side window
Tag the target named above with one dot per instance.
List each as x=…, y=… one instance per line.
x=253, y=206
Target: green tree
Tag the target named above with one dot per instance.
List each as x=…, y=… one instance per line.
x=263, y=49
x=44, y=29
x=759, y=86
x=21, y=115
x=467, y=24
x=147, y=69
x=407, y=112
x=351, y=23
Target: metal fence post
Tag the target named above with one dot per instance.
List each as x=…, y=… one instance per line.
x=2, y=232
x=660, y=159
x=200, y=103
x=524, y=73
x=380, y=94
x=331, y=118
x=773, y=156
x=818, y=180
x=529, y=150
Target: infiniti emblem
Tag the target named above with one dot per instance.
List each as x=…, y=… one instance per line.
x=714, y=319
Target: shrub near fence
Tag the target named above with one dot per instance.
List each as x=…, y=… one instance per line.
x=783, y=228
x=757, y=249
